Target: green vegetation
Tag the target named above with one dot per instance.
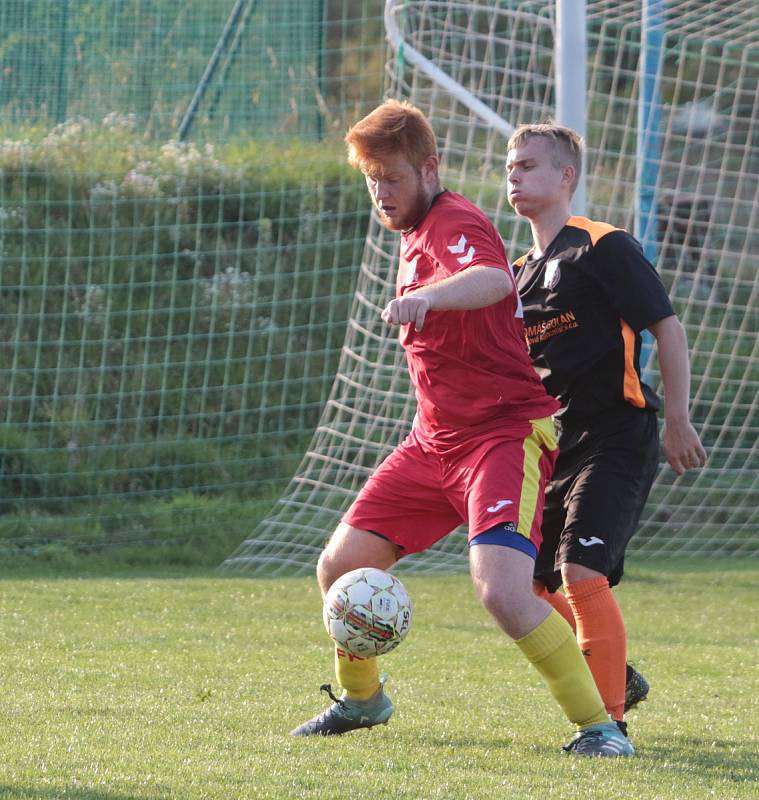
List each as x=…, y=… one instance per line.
x=185, y=686
x=288, y=69
x=172, y=317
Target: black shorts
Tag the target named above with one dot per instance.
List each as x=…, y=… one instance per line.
x=597, y=493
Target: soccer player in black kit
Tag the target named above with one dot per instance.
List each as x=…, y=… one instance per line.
x=588, y=293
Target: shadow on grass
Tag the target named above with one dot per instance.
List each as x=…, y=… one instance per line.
x=638, y=566
x=30, y=572
x=717, y=759
x=459, y=743
x=80, y=793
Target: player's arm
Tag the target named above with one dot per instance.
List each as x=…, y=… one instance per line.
x=469, y=289
x=682, y=447
x=638, y=295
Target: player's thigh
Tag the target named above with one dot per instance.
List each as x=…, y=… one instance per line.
x=500, y=572
x=552, y=528
x=350, y=548
x=403, y=501
x=608, y=495
x=506, y=482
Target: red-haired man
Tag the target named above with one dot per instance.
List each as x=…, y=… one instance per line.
x=482, y=445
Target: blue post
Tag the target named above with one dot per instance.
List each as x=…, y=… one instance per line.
x=649, y=143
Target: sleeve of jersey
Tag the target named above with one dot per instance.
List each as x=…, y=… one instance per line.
x=468, y=241
x=629, y=279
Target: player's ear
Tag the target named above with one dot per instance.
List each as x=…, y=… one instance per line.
x=568, y=174
x=430, y=168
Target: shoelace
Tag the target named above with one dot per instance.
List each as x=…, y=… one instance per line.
x=584, y=737
x=327, y=687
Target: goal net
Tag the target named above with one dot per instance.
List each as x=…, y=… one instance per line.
x=699, y=194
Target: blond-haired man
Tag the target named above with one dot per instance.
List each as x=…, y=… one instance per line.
x=588, y=294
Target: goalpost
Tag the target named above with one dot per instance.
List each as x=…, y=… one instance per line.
x=702, y=226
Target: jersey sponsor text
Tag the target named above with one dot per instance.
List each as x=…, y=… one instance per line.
x=546, y=329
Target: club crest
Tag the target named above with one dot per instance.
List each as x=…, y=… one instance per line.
x=552, y=275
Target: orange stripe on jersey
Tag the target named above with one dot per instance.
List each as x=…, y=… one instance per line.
x=596, y=230
x=632, y=388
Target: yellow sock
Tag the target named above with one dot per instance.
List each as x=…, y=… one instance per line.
x=358, y=676
x=552, y=649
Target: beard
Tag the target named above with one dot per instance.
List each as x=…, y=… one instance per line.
x=417, y=209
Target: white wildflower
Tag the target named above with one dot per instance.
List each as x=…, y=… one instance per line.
x=231, y=289
x=103, y=192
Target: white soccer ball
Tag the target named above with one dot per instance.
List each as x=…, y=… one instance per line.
x=367, y=612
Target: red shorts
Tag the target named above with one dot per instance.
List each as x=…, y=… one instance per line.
x=416, y=497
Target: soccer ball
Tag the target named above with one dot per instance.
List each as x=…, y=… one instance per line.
x=367, y=612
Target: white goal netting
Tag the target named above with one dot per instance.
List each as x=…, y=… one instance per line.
x=698, y=188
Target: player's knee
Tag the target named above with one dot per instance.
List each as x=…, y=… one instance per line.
x=498, y=600
x=328, y=569
x=511, y=612
x=573, y=573
x=350, y=548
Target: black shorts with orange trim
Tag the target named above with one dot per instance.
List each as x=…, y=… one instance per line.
x=596, y=496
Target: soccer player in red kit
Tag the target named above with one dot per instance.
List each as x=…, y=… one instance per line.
x=482, y=445
x=589, y=293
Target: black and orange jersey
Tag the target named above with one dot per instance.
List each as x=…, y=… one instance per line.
x=586, y=301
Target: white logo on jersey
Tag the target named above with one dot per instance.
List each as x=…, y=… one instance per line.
x=499, y=505
x=459, y=247
x=468, y=257
x=552, y=275
x=590, y=542
x=411, y=274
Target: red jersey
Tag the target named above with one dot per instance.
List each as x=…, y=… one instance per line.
x=471, y=369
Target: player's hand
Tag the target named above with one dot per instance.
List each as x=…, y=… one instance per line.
x=682, y=447
x=409, y=309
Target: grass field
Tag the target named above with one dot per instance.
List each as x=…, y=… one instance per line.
x=186, y=685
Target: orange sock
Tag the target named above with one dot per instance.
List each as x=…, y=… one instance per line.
x=602, y=639
x=558, y=601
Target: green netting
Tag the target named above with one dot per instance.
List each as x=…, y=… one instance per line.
x=178, y=319
x=704, y=239
x=259, y=66
x=171, y=313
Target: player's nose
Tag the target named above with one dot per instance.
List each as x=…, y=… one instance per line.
x=382, y=192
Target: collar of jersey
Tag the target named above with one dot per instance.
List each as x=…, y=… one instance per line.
x=434, y=200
